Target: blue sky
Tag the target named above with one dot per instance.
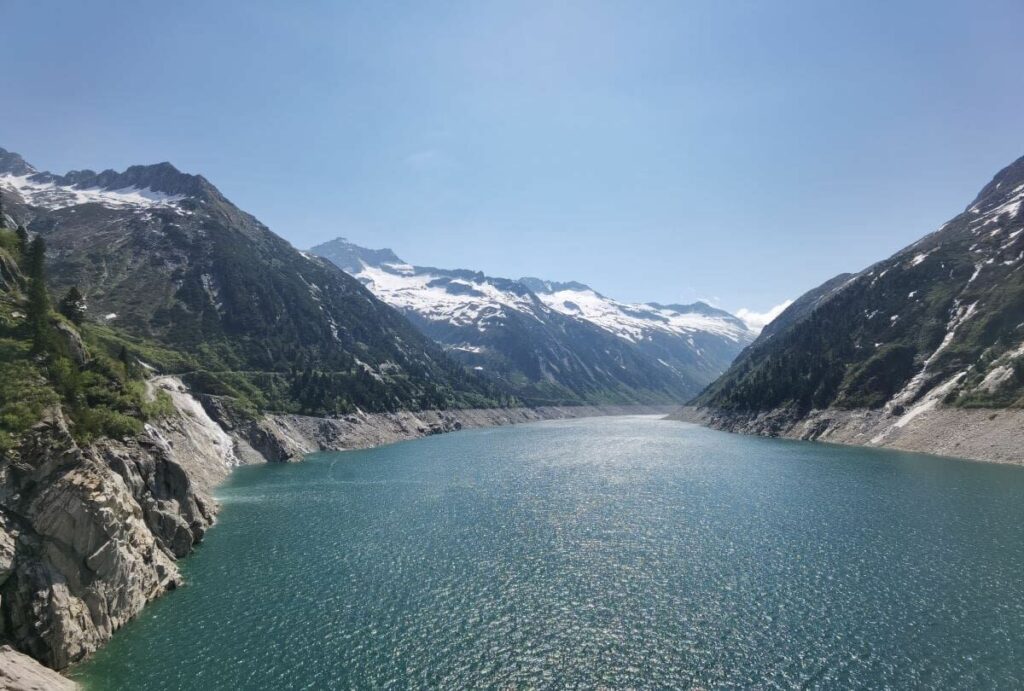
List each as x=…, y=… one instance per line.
x=740, y=152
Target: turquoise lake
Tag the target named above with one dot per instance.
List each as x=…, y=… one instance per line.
x=606, y=552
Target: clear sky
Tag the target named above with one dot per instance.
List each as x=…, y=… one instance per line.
x=740, y=152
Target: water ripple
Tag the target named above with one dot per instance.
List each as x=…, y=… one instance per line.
x=623, y=552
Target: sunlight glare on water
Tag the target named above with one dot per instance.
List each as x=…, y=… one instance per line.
x=622, y=552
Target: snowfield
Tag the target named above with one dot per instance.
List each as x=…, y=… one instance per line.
x=51, y=196
x=462, y=301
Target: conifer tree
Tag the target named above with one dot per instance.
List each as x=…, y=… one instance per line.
x=38, y=298
x=73, y=306
x=22, y=240
x=36, y=258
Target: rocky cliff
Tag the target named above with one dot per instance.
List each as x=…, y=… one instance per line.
x=19, y=672
x=91, y=533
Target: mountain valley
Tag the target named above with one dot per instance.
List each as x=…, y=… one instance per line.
x=553, y=343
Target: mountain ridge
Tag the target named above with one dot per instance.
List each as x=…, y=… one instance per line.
x=550, y=341
x=165, y=255
x=938, y=325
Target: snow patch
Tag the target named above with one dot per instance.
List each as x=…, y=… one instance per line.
x=52, y=196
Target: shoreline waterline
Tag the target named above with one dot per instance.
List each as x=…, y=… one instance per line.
x=591, y=551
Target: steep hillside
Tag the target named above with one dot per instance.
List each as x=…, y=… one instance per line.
x=164, y=256
x=939, y=324
x=104, y=477
x=553, y=343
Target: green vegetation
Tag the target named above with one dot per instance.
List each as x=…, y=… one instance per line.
x=73, y=306
x=953, y=307
x=46, y=361
x=236, y=312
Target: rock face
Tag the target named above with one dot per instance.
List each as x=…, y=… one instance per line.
x=90, y=535
x=21, y=673
x=287, y=438
x=976, y=434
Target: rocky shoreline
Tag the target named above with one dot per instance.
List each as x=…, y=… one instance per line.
x=287, y=438
x=91, y=534
x=990, y=435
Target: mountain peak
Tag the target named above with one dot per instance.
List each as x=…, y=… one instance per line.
x=698, y=307
x=139, y=185
x=13, y=164
x=158, y=177
x=351, y=257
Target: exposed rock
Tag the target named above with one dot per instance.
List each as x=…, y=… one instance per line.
x=196, y=442
x=72, y=341
x=98, y=528
x=21, y=673
x=285, y=438
x=976, y=434
x=85, y=561
x=10, y=275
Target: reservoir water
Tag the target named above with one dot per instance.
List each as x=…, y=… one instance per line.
x=614, y=552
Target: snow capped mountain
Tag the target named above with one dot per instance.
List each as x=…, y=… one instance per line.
x=939, y=323
x=141, y=187
x=163, y=256
x=51, y=196
x=635, y=322
x=459, y=298
x=543, y=331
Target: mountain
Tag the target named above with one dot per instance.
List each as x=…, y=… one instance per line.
x=553, y=342
x=937, y=326
x=101, y=475
x=205, y=289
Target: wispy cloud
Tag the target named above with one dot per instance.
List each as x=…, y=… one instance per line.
x=756, y=321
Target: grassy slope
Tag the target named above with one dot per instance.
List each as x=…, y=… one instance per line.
x=103, y=397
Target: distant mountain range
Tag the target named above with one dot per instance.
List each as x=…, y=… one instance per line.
x=938, y=324
x=196, y=286
x=553, y=342
x=192, y=284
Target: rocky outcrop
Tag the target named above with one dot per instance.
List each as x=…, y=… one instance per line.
x=72, y=341
x=21, y=673
x=91, y=533
x=976, y=434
